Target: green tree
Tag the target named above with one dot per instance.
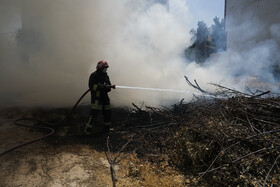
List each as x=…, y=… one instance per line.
x=206, y=41
x=199, y=51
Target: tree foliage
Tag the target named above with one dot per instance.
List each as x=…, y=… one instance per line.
x=206, y=40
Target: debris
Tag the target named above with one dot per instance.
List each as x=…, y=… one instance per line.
x=229, y=139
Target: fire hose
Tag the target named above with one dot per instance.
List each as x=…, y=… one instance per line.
x=47, y=127
x=51, y=130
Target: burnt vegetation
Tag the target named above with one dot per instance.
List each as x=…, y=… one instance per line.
x=221, y=138
x=230, y=139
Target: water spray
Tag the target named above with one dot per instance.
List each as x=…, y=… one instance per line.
x=169, y=90
x=159, y=89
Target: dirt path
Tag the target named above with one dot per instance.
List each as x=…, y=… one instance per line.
x=72, y=161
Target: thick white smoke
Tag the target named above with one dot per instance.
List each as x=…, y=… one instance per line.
x=143, y=42
x=253, y=45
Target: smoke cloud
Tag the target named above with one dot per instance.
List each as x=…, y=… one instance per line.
x=143, y=41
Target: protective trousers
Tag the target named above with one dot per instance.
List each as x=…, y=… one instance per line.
x=93, y=119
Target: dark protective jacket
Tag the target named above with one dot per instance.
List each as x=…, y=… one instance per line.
x=99, y=91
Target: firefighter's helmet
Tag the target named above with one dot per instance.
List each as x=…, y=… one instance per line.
x=102, y=64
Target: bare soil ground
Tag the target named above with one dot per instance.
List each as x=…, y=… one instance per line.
x=231, y=140
x=69, y=159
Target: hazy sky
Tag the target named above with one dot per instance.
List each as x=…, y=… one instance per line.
x=200, y=10
x=205, y=10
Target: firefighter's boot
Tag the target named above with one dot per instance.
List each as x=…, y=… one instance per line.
x=106, y=127
x=88, y=127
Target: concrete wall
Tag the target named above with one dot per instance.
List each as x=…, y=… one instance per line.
x=249, y=22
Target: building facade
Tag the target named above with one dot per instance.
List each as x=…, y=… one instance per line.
x=249, y=22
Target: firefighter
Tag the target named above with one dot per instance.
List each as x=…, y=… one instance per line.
x=99, y=85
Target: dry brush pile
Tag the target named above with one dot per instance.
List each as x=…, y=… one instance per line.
x=230, y=139
x=226, y=138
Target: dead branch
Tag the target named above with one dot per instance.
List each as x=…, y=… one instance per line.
x=113, y=160
x=113, y=172
x=196, y=86
x=139, y=109
x=270, y=170
x=261, y=94
x=229, y=91
x=250, y=124
x=263, y=149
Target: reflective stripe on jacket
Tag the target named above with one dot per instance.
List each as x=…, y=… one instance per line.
x=99, y=93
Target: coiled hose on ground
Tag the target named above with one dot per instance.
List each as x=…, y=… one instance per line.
x=47, y=127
